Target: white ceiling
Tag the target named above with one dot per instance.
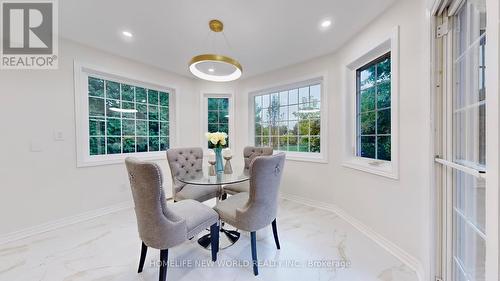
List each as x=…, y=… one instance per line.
x=263, y=34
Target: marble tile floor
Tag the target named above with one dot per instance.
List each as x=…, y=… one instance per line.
x=315, y=245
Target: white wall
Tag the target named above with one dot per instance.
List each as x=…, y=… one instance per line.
x=44, y=186
x=38, y=187
x=493, y=141
x=397, y=209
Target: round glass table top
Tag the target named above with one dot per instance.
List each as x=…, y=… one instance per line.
x=203, y=178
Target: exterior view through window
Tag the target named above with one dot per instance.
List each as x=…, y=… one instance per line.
x=373, y=110
x=125, y=118
x=469, y=134
x=218, y=117
x=289, y=119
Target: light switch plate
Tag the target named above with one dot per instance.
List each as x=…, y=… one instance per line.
x=58, y=135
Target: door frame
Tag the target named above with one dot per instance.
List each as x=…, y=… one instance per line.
x=443, y=63
x=442, y=54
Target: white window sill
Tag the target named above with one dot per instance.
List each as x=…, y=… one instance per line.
x=304, y=157
x=99, y=160
x=376, y=167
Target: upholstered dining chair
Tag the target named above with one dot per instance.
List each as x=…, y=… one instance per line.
x=161, y=225
x=249, y=153
x=258, y=208
x=184, y=161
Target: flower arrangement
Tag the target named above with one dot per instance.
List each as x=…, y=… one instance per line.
x=217, y=139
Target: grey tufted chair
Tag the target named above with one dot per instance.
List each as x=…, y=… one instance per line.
x=249, y=153
x=258, y=208
x=163, y=226
x=184, y=161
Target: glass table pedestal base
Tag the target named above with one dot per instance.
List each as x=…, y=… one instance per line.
x=226, y=239
x=203, y=178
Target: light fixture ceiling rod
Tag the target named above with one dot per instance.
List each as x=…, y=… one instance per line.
x=226, y=40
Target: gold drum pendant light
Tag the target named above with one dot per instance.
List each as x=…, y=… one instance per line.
x=213, y=67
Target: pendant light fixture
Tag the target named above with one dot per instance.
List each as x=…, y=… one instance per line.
x=213, y=67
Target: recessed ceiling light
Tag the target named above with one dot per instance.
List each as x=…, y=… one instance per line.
x=211, y=70
x=127, y=34
x=326, y=23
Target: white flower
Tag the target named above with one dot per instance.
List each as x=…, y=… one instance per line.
x=216, y=138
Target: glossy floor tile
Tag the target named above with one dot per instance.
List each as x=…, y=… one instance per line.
x=315, y=245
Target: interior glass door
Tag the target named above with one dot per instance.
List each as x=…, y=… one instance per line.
x=468, y=141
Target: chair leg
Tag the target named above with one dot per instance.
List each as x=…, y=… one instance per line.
x=163, y=264
x=275, y=233
x=214, y=240
x=253, y=242
x=144, y=250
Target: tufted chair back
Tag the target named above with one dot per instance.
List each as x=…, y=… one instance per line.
x=262, y=206
x=158, y=226
x=250, y=152
x=184, y=161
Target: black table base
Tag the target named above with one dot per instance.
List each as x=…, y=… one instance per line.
x=229, y=238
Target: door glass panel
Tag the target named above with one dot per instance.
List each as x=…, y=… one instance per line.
x=469, y=142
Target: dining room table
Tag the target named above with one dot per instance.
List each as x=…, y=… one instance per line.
x=205, y=178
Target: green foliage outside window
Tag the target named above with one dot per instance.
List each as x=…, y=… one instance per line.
x=374, y=109
x=218, y=117
x=114, y=127
x=289, y=120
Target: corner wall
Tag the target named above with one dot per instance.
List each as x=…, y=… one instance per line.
x=396, y=209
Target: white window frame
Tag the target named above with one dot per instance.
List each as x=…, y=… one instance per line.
x=322, y=156
x=388, y=169
x=81, y=73
x=204, y=117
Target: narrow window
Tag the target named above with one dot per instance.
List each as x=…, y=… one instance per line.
x=218, y=117
x=373, y=95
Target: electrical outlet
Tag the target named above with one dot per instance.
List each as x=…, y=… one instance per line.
x=36, y=146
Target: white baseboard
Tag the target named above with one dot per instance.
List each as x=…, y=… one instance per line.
x=389, y=246
x=52, y=225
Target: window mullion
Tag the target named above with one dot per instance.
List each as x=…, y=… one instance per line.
x=376, y=111
x=105, y=91
x=121, y=120
x=135, y=121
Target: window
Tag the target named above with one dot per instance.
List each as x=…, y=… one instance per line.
x=371, y=109
x=468, y=138
x=126, y=119
x=118, y=117
x=218, y=116
x=289, y=119
x=373, y=95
